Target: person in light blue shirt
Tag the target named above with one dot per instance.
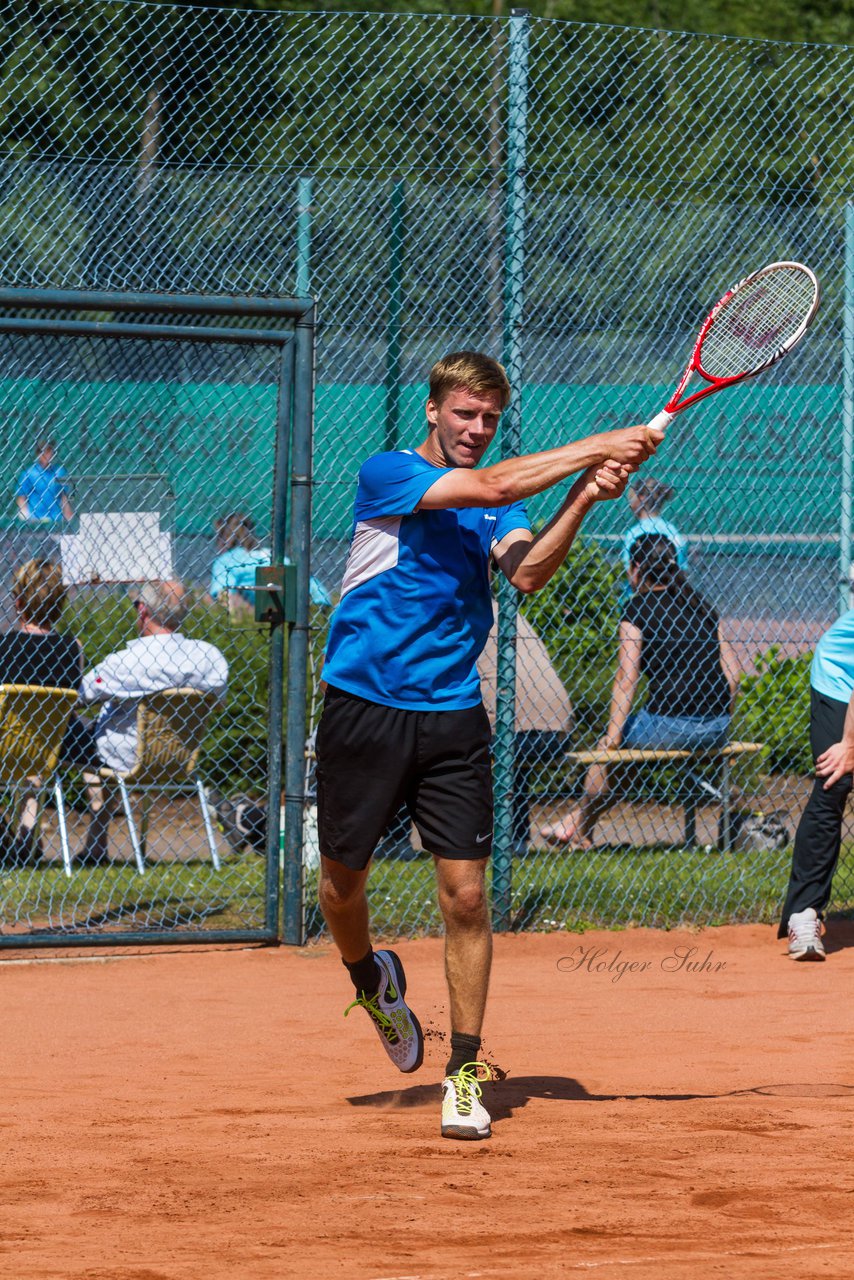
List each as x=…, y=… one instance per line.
x=818, y=838
x=403, y=722
x=233, y=570
x=646, y=498
x=42, y=492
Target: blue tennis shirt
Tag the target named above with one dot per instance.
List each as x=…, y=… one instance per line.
x=832, y=670
x=43, y=488
x=416, y=605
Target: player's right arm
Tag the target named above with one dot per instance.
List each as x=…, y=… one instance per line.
x=514, y=479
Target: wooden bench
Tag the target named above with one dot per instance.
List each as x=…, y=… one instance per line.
x=615, y=756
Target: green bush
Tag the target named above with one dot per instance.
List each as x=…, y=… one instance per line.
x=773, y=707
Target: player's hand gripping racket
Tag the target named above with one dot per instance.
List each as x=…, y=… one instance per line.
x=753, y=326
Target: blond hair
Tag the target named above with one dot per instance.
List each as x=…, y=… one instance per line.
x=38, y=592
x=472, y=371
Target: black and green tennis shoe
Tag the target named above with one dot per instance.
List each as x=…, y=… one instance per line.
x=396, y=1024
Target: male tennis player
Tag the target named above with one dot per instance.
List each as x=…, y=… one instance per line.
x=403, y=722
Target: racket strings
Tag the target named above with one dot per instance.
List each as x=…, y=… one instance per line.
x=757, y=321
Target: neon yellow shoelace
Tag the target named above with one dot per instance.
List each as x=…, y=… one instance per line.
x=371, y=1003
x=467, y=1084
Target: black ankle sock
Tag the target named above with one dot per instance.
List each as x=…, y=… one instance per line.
x=463, y=1049
x=365, y=973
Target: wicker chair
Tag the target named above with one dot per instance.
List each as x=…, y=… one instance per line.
x=33, y=721
x=170, y=728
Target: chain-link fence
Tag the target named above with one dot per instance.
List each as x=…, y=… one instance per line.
x=142, y=656
x=570, y=198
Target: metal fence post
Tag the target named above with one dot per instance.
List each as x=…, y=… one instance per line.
x=304, y=219
x=294, y=915
x=511, y=440
x=276, y=688
x=396, y=232
x=845, y=497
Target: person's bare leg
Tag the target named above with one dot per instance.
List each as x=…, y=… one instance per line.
x=577, y=827
x=468, y=940
x=344, y=904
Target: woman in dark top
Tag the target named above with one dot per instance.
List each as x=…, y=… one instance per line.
x=671, y=635
x=34, y=653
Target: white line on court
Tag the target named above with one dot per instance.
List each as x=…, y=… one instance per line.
x=142, y=955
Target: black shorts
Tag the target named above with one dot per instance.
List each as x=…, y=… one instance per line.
x=372, y=760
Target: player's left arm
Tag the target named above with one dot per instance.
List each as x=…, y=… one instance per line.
x=529, y=561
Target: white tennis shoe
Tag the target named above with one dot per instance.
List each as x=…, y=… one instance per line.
x=463, y=1114
x=805, y=936
x=396, y=1024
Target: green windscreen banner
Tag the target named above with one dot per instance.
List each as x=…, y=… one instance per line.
x=761, y=459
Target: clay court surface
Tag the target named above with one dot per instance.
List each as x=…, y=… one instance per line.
x=209, y=1113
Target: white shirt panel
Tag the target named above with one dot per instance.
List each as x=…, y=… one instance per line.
x=374, y=549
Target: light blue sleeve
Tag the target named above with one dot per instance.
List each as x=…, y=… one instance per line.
x=393, y=484
x=219, y=577
x=25, y=484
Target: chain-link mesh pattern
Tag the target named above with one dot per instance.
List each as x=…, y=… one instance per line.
x=364, y=159
x=134, y=716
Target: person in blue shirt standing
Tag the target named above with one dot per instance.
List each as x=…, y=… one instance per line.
x=42, y=492
x=403, y=723
x=818, y=838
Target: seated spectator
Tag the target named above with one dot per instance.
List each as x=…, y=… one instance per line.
x=238, y=556
x=159, y=659
x=646, y=498
x=42, y=492
x=33, y=652
x=670, y=634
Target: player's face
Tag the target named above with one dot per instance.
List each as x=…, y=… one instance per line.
x=463, y=426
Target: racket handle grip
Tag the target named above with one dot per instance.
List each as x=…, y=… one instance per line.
x=661, y=420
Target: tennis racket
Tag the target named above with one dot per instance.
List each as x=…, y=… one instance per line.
x=755, y=324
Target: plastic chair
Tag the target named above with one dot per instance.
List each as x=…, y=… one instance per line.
x=33, y=721
x=170, y=727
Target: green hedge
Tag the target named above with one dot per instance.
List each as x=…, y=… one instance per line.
x=774, y=707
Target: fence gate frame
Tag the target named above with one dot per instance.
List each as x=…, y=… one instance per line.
x=290, y=326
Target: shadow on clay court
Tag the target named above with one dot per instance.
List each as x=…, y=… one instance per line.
x=840, y=934
x=511, y=1095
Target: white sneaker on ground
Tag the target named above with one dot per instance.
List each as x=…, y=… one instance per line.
x=463, y=1115
x=396, y=1024
x=805, y=936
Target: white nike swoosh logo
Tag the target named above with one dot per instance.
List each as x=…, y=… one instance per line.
x=480, y=839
